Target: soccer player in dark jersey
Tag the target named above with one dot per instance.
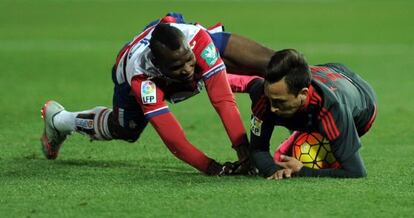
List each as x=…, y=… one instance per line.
x=328, y=98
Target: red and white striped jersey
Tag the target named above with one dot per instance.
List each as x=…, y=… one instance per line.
x=136, y=57
x=135, y=62
x=152, y=89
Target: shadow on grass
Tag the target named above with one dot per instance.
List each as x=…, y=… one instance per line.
x=88, y=162
x=142, y=165
x=39, y=168
x=145, y=171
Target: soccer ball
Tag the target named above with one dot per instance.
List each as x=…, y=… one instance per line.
x=314, y=151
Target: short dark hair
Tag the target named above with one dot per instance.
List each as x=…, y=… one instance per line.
x=291, y=65
x=165, y=35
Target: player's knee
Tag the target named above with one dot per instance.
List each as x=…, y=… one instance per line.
x=361, y=173
x=131, y=136
x=124, y=133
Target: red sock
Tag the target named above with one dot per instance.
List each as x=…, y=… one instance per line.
x=286, y=147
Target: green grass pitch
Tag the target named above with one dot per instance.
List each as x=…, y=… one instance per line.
x=64, y=49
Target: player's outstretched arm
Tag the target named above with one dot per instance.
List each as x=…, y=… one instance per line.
x=157, y=112
x=174, y=138
x=224, y=103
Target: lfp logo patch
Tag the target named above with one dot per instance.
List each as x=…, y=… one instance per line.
x=256, y=126
x=210, y=54
x=148, y=92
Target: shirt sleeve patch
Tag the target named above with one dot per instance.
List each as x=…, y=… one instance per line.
x=256, y=126
x=210, y=54
x=213, y=71
x=148, y=92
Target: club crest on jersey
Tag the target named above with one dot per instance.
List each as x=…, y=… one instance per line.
x=148, y=92
x=256, y=126
x=210, y=54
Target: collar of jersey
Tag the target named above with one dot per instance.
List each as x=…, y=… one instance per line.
x=311, y=90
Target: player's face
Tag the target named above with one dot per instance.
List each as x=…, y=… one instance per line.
x=282, y=102
x=179, y=64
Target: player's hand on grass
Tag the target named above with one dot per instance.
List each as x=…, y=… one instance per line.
x=244, y=167
x=290, y=163
x=281, y=174
x=218, y=169
x=237, y=168
x=231, y=168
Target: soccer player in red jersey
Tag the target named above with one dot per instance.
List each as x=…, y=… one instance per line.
x=168, y=61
